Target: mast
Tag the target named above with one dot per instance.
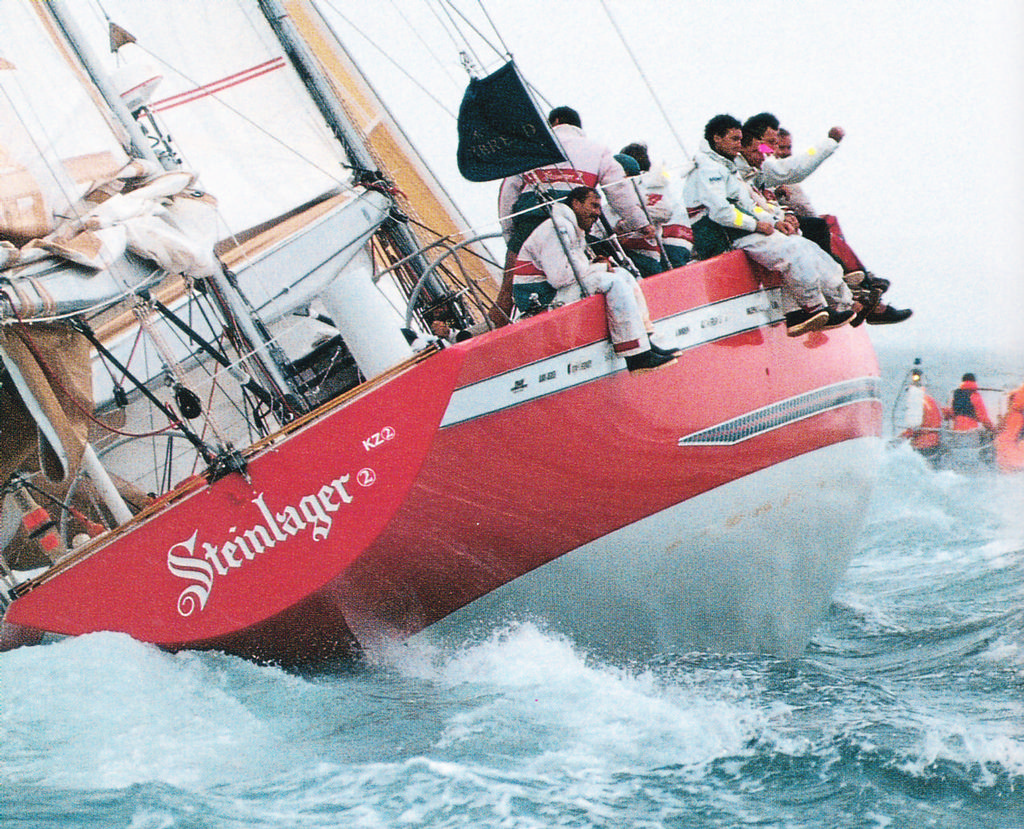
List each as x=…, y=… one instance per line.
x=140, y=147
x=357, y=112
x=268, y=355
x=327, y=102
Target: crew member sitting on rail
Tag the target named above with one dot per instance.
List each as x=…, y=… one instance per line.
x=727, y=213
x=521, y=196
x=761, y=166
x=967, y=409
x=555, y=256
x=670, y=248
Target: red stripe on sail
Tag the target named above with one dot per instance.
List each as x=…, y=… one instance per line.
x=218, y=86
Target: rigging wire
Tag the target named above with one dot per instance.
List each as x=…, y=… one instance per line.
x=466, y=47
x=255, y=124
x=58, y=173
x=643, y=75
x=497, y=33
x=430, y=49
x=476, y=31
x=444, y=27
x=330, y=4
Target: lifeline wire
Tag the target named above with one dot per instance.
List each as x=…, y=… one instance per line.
x=643, y=75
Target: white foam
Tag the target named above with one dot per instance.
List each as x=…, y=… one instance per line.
x=538, y=692
x=104, y=711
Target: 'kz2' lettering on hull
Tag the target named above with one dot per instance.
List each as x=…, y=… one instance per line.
x=312, y=512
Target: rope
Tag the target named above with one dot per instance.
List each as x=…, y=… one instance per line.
x=54, y=380
x=643, y=75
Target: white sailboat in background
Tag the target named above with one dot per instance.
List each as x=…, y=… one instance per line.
x=282, y=463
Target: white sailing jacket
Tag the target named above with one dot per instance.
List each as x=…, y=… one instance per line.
x=665, y=210
x=556, y=251
x=590, y=164
x=713, y=188
x=775, y=171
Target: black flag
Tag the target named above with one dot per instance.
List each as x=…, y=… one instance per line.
x=501, y=133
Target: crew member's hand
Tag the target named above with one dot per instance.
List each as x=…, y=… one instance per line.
x=649, y=232
x=765, y=228
x=836, y=133
x=789, y=225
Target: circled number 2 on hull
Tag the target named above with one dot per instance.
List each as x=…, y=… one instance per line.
x=379, y=438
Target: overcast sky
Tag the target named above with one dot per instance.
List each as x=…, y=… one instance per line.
x=928, y=183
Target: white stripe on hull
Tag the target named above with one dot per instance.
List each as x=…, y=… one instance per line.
x=685, y=330
x=749, y=566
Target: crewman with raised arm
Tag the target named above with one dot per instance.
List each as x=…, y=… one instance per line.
x=727, y=213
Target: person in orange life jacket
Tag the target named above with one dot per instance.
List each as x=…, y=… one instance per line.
x=924, y=417
x=665, y=211
x=521, y=196
x=1010, y=440
x=774, y=172
x=967, y=409
x=555, y=256
x=728, y=213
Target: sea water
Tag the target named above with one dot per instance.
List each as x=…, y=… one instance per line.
x=907, y=710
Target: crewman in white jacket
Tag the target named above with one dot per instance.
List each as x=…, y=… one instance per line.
x=791, y=196
x=665, y=210
x=769, y=173
x=555, y=256
x=725, y=213
x=589, y=164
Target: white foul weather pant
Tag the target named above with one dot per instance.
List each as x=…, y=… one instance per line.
x=810, y=276
x=625, y=318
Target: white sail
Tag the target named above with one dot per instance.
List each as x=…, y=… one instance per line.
x=224, y=75
x=55, y=140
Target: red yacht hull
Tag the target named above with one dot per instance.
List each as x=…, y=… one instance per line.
x=489, y=462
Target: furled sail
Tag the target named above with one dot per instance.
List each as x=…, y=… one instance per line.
x=56, y=142
x=234, y=106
